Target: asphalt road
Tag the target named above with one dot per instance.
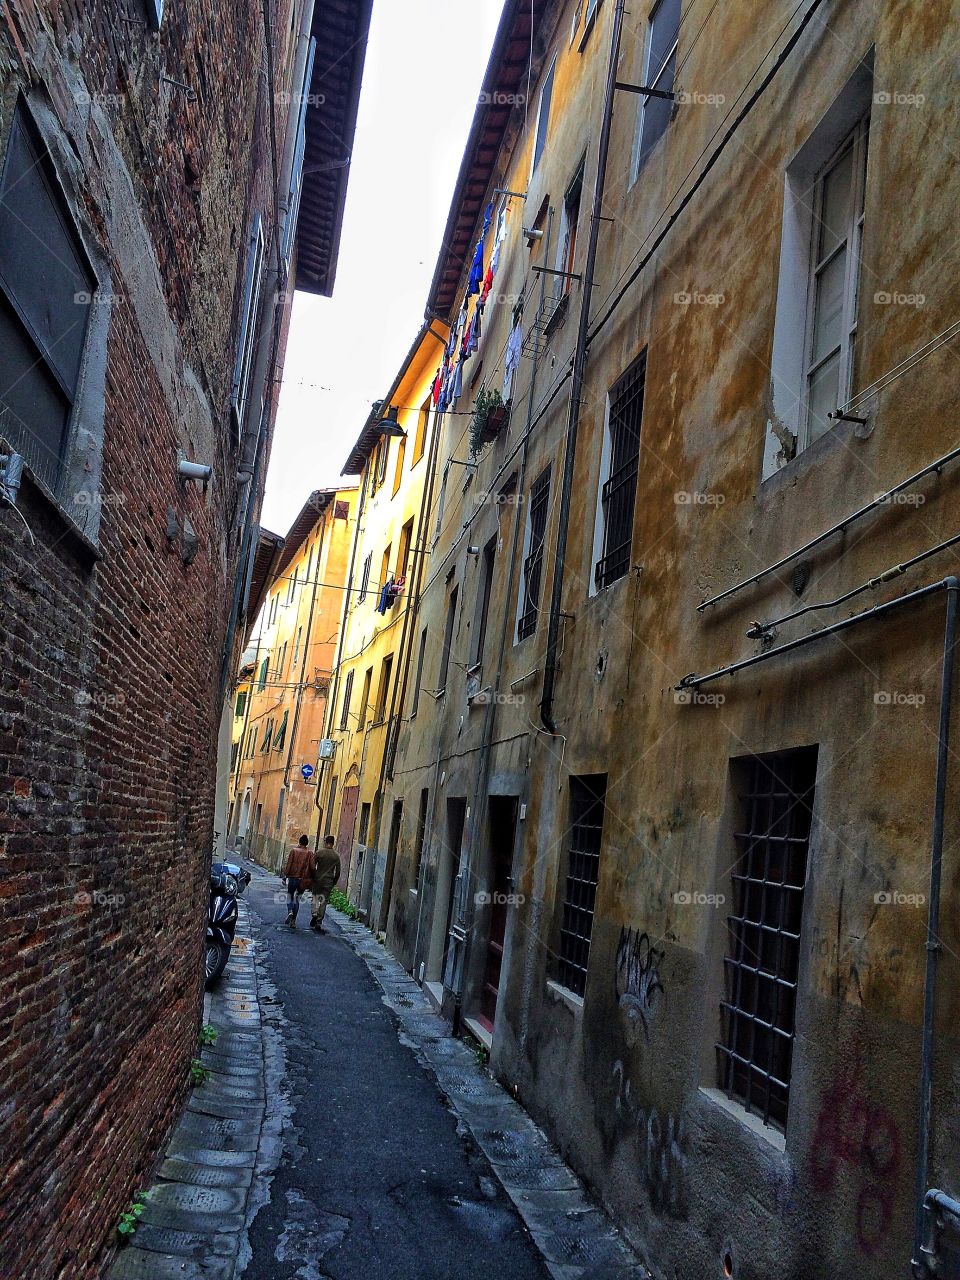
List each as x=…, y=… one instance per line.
x=374, y=1180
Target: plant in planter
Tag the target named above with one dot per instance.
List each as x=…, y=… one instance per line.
x=489, y=415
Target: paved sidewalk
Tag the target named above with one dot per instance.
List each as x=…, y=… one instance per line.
x=192, y=1225
x=576, y=1239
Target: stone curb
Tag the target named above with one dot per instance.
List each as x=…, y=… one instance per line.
x=575, y=1237
x=196, y=1211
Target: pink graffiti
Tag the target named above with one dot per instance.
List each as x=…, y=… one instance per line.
x=854, y=1133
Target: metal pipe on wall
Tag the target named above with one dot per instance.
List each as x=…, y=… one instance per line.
x=576, y=388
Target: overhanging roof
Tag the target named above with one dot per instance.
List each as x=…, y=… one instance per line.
x=269, y=546
x=299, y=531
x=340, y=28
x=504, y=78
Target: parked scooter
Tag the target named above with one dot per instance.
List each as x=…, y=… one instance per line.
x=233, y=868
x=222, y=912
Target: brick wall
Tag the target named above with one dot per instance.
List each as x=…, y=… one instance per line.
x=110, y=649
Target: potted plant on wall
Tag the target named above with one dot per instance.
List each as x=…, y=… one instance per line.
x=490, y=413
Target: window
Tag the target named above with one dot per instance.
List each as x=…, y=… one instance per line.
x=440, y=502
x=834, y=282
x=587, y=800
x=385, y=567
x=241, y=704
x=234, y=755
x=251, y=746
x=403, y=551
x=364, y=824
x=282, y=664
x=365, y=700
x=281, y=734
x=420, y=439
x=533, y=559
x=247, y=331
x=398, y=473
x=379, y=464
x=155, y=13
x=415, y=700
x=421, y=835
x=262, y=678
x=296, y=178
x=267, y=737
x=567, y=246
x=292, y=586
x=543, y=117
x=365, y=576
x=272, y=614
x=296, y=646
x=447, y=639
x=618, y=490
x=815, y=347
x=761, y=968
x=47, y=289
x=280, y=800
x=347, y=697
x=659, y=69
x=383, y=689
x=488, y=559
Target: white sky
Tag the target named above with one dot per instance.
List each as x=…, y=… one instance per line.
x=425, y=62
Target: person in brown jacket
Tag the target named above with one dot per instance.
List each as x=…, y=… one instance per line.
x=326, y=873
x=298, y=875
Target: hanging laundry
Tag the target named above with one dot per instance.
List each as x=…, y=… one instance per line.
x=457, y=389
x=476, y=271
x=437, y=386
x=384, y=601
x=487, y=219
x=487, y=285
x=512, y=357
x=473, y=341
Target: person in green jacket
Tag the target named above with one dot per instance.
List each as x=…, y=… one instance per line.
x=325, y=875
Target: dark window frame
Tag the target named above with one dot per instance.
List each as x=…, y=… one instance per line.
x=618, y=494
x=539, y=504
x=578, y=904
x=347, y=699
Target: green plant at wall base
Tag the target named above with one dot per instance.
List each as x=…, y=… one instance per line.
x=340, y=902
x=489, y=414
x=199, y=1074
x=479, y=1051
x=208, y=1034
x=130, y=1217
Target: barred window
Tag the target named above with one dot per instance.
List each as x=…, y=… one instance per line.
x=587, y=801
x=758, y=1008
x=347, y=698
x=533, y=561
x=619, y=492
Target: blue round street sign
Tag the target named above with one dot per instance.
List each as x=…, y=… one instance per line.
x=307, y=771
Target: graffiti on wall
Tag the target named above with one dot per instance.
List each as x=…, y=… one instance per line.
x=858, y=1138
x=638, y=985
x=661, y=1142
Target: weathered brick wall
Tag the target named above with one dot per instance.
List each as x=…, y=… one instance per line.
x=110, y=656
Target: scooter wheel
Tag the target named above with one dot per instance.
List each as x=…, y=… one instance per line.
x=216, y=959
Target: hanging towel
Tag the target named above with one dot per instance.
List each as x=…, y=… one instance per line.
x=512, y=358
x=476, y=271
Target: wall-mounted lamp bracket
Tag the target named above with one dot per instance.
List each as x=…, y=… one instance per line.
x=837, y=416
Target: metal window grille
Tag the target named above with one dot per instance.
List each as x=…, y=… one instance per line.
x=347, y=699
x=587, y=797
x=533, y=564
x=761, y=967
x=619, y=493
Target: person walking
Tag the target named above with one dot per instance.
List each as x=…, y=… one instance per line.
x=298, y=875
x=325, y=875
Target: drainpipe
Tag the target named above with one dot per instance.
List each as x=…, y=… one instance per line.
x=933, y=944
x=576, y=389
x=480, y=796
